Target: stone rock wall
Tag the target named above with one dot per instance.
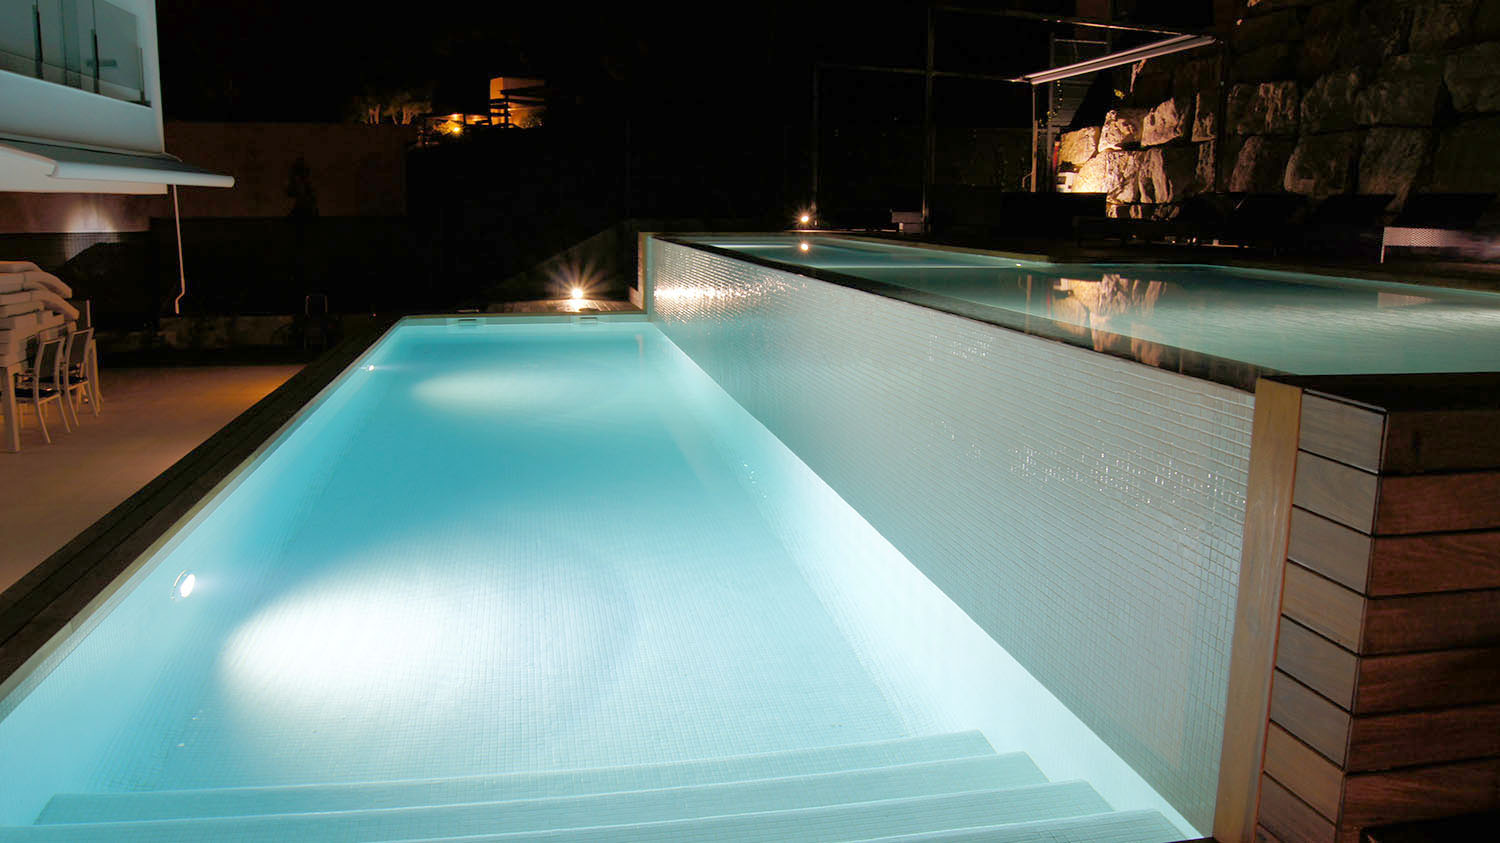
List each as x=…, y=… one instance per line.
x=1312, y=97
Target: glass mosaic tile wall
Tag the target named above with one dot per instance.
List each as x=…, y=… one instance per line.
x=1086, y=511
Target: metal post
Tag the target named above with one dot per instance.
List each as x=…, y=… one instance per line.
x=817, y=83
x=1032, y=91
x=929, y=133
x=181, y=273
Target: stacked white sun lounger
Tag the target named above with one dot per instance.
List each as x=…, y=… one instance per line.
x=32, y=303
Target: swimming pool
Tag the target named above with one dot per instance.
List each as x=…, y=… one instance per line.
x=1222, y=323
x=509, y=579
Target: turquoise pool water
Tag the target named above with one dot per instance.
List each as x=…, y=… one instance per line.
x=1279, y=321
x=542, y=579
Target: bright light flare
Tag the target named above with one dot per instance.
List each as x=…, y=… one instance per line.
x=804, y=246
x=185, y=585
x=805, y=219
x=576, y=294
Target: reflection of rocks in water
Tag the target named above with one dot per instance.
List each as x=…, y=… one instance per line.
x=1112, y=309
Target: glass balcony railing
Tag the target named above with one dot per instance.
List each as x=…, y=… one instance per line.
x=87, y=44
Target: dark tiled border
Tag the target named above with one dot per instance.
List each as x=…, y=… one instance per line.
x=47, y=600
x=1194, y=364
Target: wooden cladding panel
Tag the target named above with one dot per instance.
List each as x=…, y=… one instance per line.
x=1416, y=680
x=1300, y=769
x=1318, y=663
x=1430, y=503
x=1324, y=606
x=1410, y=738
x=1441, y=621
x=1442, y=440
x=1288, y=817
x=1333, y=550
x=1416, y=793
x=1268, y=505
x=1310, y=717
x=1344, y=432
x=1336, y=491
x=1393, y=565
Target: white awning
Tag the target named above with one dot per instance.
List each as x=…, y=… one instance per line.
x=45, y=167
x=1167, y=46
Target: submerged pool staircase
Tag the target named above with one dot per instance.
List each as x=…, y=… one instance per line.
x=940, y=788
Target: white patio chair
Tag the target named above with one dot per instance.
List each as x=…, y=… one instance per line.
x=40, y=385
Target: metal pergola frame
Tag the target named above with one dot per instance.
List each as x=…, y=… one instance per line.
x=1177, y=41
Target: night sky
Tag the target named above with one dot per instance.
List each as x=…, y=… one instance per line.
x=278, y=60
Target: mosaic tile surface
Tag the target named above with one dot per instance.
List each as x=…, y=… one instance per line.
x=1084, y=510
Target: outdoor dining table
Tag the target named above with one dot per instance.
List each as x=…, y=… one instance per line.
x=47, y=325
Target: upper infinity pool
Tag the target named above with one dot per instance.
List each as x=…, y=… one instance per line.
x=542, y=580
x=1274, y=322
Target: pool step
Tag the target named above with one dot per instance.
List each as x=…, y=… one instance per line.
x=1114, y=827
x=1001, y=771
x=847, y=810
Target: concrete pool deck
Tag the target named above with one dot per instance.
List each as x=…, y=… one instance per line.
x=151, y=418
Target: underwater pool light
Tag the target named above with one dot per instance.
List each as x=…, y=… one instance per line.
x=183, y=587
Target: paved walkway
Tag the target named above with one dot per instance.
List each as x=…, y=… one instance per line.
x=150, y=419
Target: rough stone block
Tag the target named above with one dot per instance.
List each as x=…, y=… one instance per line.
x=1197, y=78
x=1323, y=165
x=1329, y=104
x=1151, y=82
x=1267, y=108
x=1169, y=121
x=1122, y=128
x=1260, y=165
x=1440, y=24
x=1473, y=78
x=1271, y=5
x=1074, y=148
x=1257, y=31
x=1392, y=160
x=1207, y=167
x=1115, y=173
x=1468, y=158
x=1404, y=93
x=1320, y=54
x=1487, y=19
x=1379, y=32
x=1167, y=173
x=1273, y=61
x=1283, y=107
x=1328, y=17
x=1245, y=111
x=1205, y=117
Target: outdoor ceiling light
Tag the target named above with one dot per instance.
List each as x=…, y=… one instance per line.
x=1175, y=44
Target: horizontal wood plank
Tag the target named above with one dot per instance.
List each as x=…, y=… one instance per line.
x=1301, y=770
x=1324, y=606
x=1442, y=440
x=1446, y=620
x=1336, y=491
x=1338, y=552
x=1310, y=717
x=1427, y=680
x=1317, y=663
x=1290, y=818
x=1345, y=432
x=1382, y=741
x=1433, y=562
x=1418, y=793
x=1432, y=503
